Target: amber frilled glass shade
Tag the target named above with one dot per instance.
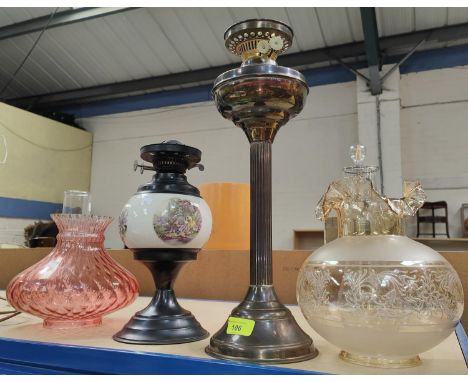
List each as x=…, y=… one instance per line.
x=361, y=210
x=78, y=282
x=378, y=295
x=230, y=206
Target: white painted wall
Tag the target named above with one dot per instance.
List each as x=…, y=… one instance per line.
x=308, y=153
x=383, y=108
x=434, y=134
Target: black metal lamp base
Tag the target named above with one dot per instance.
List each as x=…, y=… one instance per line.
x=163, y=321
x=151, y=327
x=276, y=337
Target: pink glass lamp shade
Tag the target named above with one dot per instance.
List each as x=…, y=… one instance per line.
x=78, y=282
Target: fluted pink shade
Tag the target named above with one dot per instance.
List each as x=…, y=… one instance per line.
x=78, y=282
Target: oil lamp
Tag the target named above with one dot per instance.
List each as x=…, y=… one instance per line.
x=260, y=97
x=165, y=224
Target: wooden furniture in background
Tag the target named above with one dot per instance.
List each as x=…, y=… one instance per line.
x=464, y=219
x=444, y=244
x=433, y=218
x=230, y=207
x=311, y=239
x=308, y=239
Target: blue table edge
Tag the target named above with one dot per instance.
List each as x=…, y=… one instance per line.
x=33, y=357
x=462, y=340
x=52, y=358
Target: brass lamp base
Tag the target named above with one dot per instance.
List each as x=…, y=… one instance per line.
x=260, y=97
x=275, y=338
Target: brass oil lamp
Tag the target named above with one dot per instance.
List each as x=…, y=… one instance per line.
x=260, y=97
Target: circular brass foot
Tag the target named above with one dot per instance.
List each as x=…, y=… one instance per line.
x=275, y=337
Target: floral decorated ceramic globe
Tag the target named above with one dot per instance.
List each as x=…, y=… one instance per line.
x=167, y=212
x=151, y=220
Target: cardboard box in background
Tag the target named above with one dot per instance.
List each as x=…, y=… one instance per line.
x=216, y=275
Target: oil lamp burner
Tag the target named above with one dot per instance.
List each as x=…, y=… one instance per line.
x=165, y=224
x=260, y=97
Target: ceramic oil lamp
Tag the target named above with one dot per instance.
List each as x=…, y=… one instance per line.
x=260, y=97
x=165, y=224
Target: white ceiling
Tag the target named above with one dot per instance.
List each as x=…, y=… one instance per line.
x=157, y=41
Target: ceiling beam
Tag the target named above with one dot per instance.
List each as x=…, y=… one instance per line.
x=54, y=101
x=60, y=19
x=371, y=42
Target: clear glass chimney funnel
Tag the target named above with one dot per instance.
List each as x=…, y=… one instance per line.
x=76, y=202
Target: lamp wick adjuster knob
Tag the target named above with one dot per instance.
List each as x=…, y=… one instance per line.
x=142, y=167
x=200, y=166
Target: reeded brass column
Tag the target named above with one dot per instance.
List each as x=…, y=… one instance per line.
x=260, y=97
x=261, y=272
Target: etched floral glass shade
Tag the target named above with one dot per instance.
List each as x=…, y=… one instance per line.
x=78, y=282
x=378, y=295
